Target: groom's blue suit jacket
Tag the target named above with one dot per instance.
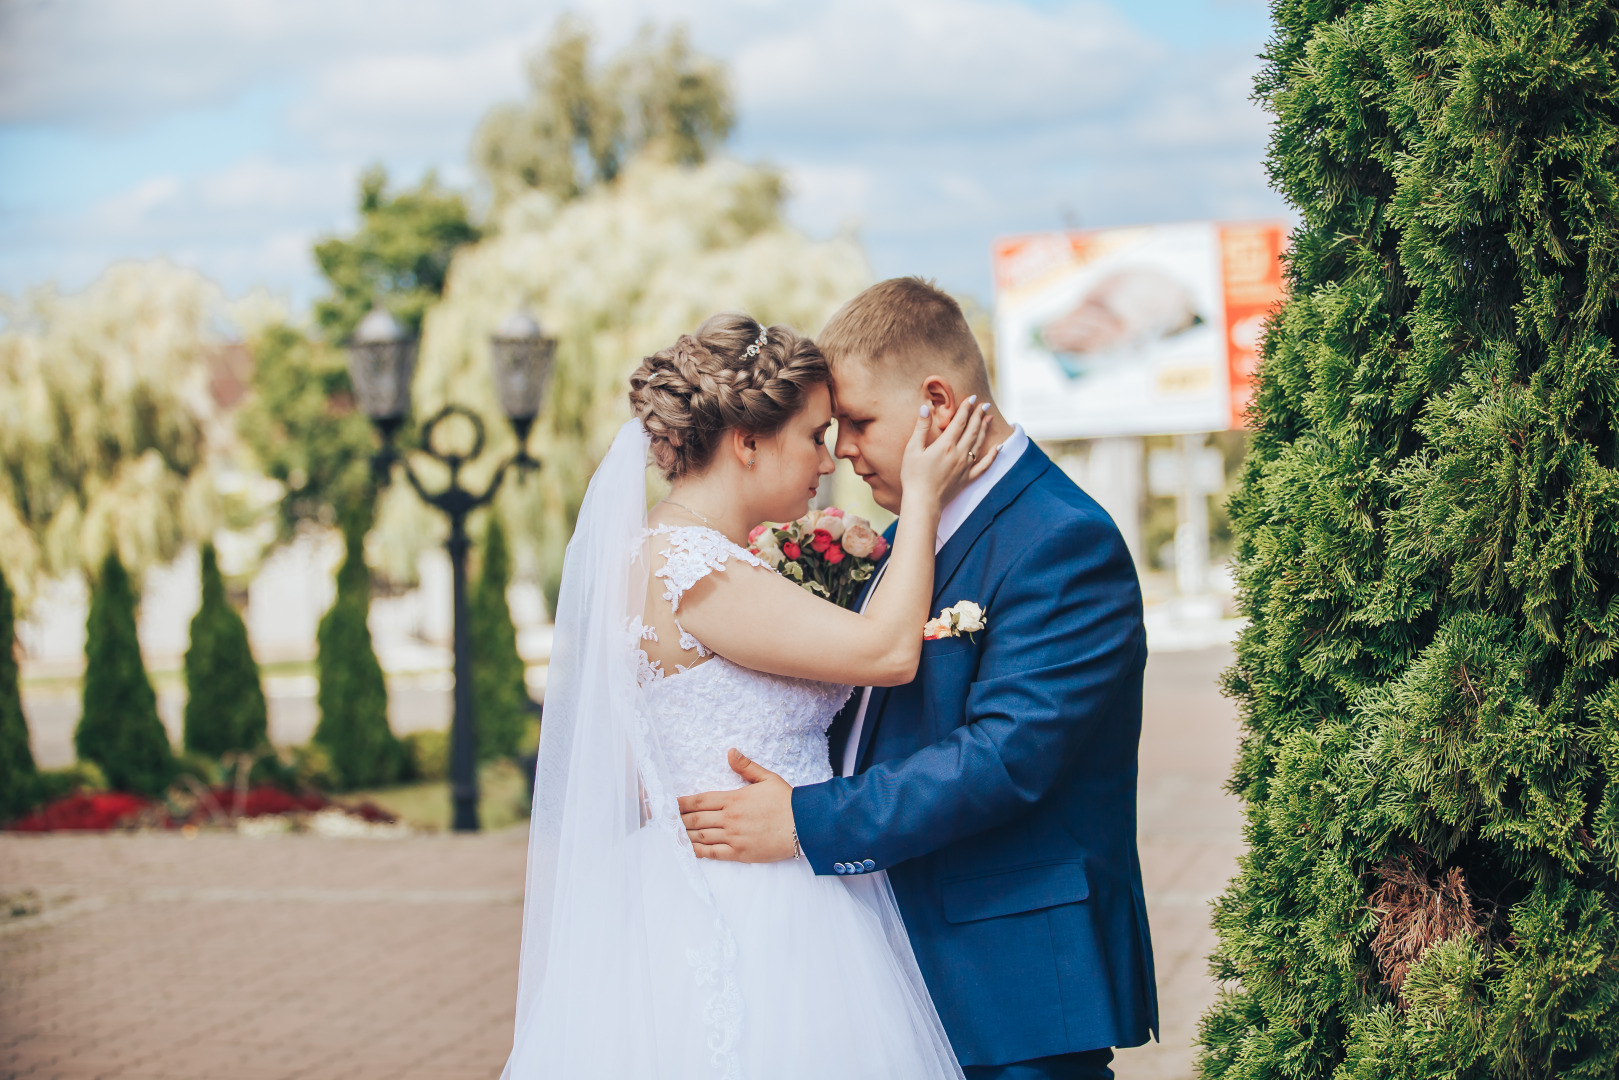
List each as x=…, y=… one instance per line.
x=998, y=789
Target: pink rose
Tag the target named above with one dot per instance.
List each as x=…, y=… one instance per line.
x=832, y=511
x=860, y=539
x=880, y=549
x=758, y=531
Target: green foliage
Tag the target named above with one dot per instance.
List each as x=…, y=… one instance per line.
x=19, y=779
x=499, y=695
x=429, y=754
x=79, y=776
x=302, y=425
x=119, y=728
x=1426, y=548
x=225, y=707
x=353, y=696
x=583, y=120
x=400, y=255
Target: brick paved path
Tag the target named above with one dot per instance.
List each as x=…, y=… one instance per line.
x=163, y=958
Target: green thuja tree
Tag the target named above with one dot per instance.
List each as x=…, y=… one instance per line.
x=353, y=696
x=19, y=779
x=225, y=707
x=119, y=728
x=1428, y=551
x=499, y=694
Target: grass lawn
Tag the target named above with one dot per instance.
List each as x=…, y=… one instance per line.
x=502, y=798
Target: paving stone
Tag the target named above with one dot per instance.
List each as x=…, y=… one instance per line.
x=159, y=957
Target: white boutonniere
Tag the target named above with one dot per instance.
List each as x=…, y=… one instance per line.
x=962, y=617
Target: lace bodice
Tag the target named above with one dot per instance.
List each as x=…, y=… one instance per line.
x=703, y=710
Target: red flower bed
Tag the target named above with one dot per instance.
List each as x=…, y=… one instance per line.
x=83, y=812
x=102, y=810
x=267, y=800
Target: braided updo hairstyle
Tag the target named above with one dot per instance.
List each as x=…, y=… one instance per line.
x=689, y=394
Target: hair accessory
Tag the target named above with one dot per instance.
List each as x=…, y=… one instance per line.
x=753, y=350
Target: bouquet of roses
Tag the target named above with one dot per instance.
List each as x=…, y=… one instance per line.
x=828, y=552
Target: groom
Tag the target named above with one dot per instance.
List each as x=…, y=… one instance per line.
x=998, y=788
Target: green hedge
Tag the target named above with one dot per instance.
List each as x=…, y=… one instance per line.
x=1428, y=549
x=119, y=729
x=499, y=694
x=353, y=695
x=225, y=707
x=19, y=779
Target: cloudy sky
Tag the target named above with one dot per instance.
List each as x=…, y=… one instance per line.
x=227, y=134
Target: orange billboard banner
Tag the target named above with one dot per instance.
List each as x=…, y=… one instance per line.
x=1138, y=330
x=1251, y=276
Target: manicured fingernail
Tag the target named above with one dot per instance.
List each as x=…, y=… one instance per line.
x=984, y=407
x=972, y=399
x=927, y=410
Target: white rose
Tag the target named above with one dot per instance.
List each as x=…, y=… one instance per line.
x=967, y=617
x=833, y=526
x=769, y=550
x=859, y=539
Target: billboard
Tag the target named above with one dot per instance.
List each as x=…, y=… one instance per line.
x=1149, y=330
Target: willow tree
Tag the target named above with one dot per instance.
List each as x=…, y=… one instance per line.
x=585, y=118
x=105, y=423
x=1427, y=550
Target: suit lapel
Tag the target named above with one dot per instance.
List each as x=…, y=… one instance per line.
x=1029, y=466
x=837, y=736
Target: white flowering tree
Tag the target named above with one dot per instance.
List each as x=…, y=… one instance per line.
x=614, y=275
x=106, y=422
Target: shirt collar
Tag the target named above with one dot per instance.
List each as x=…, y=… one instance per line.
x=967, y=501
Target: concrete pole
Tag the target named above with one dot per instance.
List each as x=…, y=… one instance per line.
x=1192, y=514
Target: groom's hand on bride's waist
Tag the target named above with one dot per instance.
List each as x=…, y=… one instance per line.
x=750, y=824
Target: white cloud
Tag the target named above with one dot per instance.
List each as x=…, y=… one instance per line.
x=861, y=67
x=931, y=124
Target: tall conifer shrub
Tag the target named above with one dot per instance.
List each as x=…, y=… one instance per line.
x=119, y=728
x=19, y=780
x=353, y=696
x=500, y=696
x=1428, y=549
x=225, y=707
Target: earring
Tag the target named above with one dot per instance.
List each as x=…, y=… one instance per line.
x=750, y=463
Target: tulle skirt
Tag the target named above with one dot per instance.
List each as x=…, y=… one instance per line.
x=826, y=988
x=776, y=973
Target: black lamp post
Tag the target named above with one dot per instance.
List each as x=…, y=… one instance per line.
x=382, y=359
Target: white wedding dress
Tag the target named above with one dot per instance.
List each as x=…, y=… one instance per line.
x=639, y=959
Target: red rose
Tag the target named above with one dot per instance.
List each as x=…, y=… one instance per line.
x=791, y=550
x=834, y=555
x=821, y=540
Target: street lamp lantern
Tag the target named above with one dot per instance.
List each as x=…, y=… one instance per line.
x=382, y=360
x=520, y=356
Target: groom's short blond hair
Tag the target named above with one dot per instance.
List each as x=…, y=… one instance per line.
x=909, y=326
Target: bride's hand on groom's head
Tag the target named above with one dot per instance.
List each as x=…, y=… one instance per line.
x=954, y=459
x=750, y=824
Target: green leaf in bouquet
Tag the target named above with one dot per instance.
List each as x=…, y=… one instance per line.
x=793, y=570
x=818, y=588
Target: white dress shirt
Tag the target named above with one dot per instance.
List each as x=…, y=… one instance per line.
x=960, y=508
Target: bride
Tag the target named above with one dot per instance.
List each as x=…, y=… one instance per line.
x=674, y=645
